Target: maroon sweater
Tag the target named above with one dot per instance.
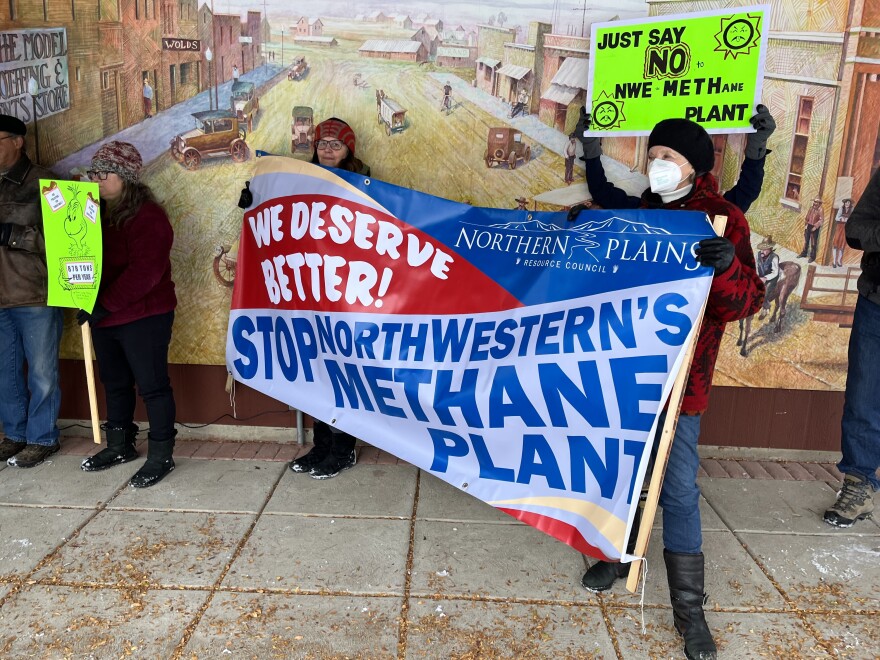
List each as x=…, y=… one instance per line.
x=136, y=282
x=735, y=294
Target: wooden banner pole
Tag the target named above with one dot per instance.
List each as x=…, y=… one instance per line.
x=665, y=442
x=90, y=381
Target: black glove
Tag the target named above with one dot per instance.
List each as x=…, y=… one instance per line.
x=592, y=146
x=97, y=314
x=575, y=210
x=5, y=232
x=756, y=143
x=716, y=252
x=247, y=197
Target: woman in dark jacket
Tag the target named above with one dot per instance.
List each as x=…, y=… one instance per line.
x=680, y=158
x=334, y=450
x=131, y=322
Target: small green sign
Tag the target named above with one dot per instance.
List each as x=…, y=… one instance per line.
x=705, y=66
x=72, y=227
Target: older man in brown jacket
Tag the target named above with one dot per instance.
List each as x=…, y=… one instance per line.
x=30, y=332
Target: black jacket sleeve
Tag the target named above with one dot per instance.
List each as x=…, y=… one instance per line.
x=863, y=227
x=604, y=193
x=747, y=189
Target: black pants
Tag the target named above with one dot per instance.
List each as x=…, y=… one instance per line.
x=132, y=354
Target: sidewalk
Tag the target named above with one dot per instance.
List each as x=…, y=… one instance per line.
x=233, y=555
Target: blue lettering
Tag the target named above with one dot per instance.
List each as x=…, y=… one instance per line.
x=583, y=453
x=365, y=335
x=390, y=329
x=505, y=339
x=577, y=325
x=535, y=446
x=264, y=327
x=622, y=326
x=380, y=393
x=671, y=318
x=417, y=340
x=556, y=386
x=242, y=326
x=344, y=339
x=285, y=351
x=482, y=335
x=630, y=392
x=465, y=399
x=633, y=448
x=306, y=346
x=548, y=330
x=450, y=340
x=411, y=379
x=488, y=470
x=325, y=334
x=443, y=449
x=508, y=399
x=352, y=387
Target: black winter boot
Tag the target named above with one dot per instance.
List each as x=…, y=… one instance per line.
x=321, y=438
x=159, y=463
x=342, y=456
x=686, y=575
x=601, y=575
x=120, y=448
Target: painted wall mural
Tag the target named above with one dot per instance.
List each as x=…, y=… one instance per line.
x=469, y=101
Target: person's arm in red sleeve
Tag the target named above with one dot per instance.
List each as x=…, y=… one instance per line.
x=149, y=238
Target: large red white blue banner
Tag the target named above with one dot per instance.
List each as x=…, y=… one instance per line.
x=522, y=358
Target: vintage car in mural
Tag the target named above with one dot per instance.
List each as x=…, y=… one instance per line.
x=392, y=114
x=244, y=102
x=299, y=69
x=505, y=145
x=302, y=128
x=217, y=133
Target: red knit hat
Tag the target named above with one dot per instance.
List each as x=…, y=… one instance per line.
x=121, y=158
x=335, y=129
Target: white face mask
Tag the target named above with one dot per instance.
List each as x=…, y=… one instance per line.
x=664, y=176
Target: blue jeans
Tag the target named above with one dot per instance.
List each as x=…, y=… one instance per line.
x=860, y=428
x=680, y=495
x=29, y=409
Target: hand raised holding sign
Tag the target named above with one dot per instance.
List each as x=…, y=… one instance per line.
x=592, y=145
x=756, y=143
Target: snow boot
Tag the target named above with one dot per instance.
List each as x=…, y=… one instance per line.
x=322, y=439
x=158, y=464
x=120, y=448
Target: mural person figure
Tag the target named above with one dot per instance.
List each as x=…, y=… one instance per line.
x=839, y=240
x=522, y=204
x=681, y=156
x=148, y=99
x=132, y=319
x=767, y=263
x=235, y=73
x=334, y=450
x=30, y=332
x=860, y=426
x=522, y=100
x=570, y=154
x=813, y=222
x=446, y=103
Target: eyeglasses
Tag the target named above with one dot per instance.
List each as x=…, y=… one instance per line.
x=94, y=174
x=336, y=145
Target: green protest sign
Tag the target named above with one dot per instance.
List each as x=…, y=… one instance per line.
x=706, y=66
x=72, y=227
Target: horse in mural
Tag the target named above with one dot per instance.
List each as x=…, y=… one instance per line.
x=790, y=277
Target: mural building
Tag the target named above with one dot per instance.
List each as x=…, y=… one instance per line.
x=475, y=106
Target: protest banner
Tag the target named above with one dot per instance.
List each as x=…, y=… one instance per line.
x=704, y=66
x=519, y=357
x=72, y=229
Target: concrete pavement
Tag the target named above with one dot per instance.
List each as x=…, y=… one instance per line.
x=238, y=557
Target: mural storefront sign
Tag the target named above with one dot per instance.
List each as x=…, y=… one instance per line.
x=33, y=73
x=525, y=78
